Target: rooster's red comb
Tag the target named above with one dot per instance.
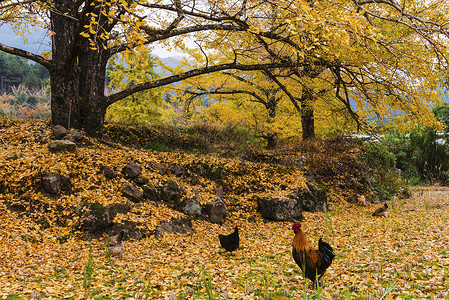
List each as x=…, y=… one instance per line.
x=297, y=225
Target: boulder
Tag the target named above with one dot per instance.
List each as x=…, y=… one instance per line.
x=59, y=132
x=131, y=170
x=191, y=207
x=130, y=229
x=216, y=211
x=156, y=166
x=76, y=135
x=177, y=170
x=172, y=192
x=116, y=208
x=150, y=192
x=132, y=192
x=182, y=226
x=51, y=182
x=93, y=217
x=141, y=180
x=279, y=209
x=311, y=198
x=108, y=171
x=61, y=146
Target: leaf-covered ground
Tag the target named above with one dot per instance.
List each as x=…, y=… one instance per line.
x=402, y=256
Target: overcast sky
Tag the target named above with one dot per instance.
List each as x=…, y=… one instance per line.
x=38, y=43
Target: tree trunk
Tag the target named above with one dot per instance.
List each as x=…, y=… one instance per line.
x=271, y=141
x=307, y=123
x=307, y=115
x=77, y=78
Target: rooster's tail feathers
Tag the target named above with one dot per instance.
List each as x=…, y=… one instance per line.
x=327, y=253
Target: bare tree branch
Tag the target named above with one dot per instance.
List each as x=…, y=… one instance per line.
x=192, y=73
x=25, y=54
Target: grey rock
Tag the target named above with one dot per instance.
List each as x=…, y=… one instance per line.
x=93, y=217
x=216, y=211
x=141, y=180
x=150, y=192
x=132, y=170
x=132, y=192
x=59, y=132
x=61, y=146
x=191, y=207
x=182, y=226
x=313, y=199
x=279, y=209
x=76, y=135
x=108, y=171
x=156, y=166
x=177, y=170
x=172, y=192
x=51, y=182
x=116, y=208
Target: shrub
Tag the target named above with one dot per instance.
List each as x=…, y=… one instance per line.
x=421, y=155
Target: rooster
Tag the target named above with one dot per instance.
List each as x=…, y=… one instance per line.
x=381, y=211
x=115, y=244
x=231, y=241
x=312, y=262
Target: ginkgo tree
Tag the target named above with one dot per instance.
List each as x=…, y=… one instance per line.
x=143, y=107
x=377, y=55
x=86, y=34
x=367, y=60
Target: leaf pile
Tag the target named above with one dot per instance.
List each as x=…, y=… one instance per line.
x=402, y=256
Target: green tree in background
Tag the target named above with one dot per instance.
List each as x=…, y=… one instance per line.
x=15, y=71
x=142, y=107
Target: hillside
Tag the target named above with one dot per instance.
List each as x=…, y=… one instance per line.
x=47, y=253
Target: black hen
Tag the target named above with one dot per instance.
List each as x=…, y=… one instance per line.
x=231, y=241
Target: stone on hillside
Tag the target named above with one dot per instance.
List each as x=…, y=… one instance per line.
x=61, y=145
x=172, y=191
x=116, y=208
x=51, y=182
x=141, y=180
x=132, y=170
x=313, y=199
x=108, y=171
x=59, y=132
x=93, y=217
x=216, y=211
x=156, y=166
x=191, y=207
x=76, y=135
x=178, y=170
x=150, y=192
x=182, y=226
x=132, y=192
x=130, y=229
x=279, y=209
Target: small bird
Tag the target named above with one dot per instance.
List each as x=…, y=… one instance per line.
x=312, y=262
x=231, y=241
x=115, y=244
x=381, y=211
